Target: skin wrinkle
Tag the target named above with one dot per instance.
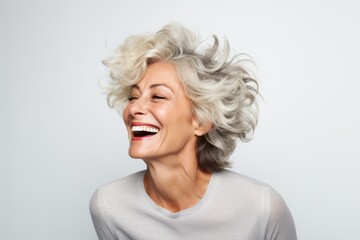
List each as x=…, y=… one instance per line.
x=173, y=100
x=210, y=72
x=173, y=180
x=158, y=192
x=213, y=104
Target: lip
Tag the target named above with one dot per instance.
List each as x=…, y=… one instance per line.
x=143, y=124
x=133, y=138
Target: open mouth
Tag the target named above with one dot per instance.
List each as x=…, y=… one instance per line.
x=143, y=131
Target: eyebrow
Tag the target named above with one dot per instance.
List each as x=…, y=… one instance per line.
x=154, y=86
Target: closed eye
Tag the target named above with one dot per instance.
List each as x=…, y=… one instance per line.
x=132, y=98
x=158, y=97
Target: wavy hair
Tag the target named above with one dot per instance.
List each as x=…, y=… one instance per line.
x=223, y=91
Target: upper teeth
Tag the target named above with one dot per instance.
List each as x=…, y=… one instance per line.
x=144, y=129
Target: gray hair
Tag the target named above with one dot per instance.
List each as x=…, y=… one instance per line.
x=222, y=90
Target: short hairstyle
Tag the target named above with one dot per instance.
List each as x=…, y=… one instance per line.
x=222, y=90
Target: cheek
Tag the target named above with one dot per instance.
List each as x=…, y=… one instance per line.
x=176, y=118
x=162, y=114
x=125, y=114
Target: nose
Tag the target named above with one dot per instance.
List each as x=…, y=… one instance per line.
x=138, y=107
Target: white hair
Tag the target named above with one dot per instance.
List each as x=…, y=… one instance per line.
x=222, y=90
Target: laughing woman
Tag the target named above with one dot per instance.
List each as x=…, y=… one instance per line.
x=184, y=110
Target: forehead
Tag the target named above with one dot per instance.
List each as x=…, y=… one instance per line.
x=160, y=74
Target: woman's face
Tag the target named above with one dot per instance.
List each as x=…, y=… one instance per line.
x=158, y=116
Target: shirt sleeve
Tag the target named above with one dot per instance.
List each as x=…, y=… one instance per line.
x=280, y=224
x=97, y=211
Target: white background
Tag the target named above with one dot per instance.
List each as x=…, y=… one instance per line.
x=59, y=140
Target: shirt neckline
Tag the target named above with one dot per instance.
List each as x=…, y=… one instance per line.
x=199, y=205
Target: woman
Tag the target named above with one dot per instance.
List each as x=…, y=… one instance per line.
x=184, y=109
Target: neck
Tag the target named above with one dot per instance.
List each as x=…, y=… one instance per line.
x=175, y=187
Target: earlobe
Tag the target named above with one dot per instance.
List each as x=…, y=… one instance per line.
x=201, y=129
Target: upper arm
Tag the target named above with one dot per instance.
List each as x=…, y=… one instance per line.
x=280, y=223
x=98, y=215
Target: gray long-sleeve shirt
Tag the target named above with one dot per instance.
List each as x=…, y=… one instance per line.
x=233, y=207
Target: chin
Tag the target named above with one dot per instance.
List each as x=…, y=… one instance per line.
x=137, y=154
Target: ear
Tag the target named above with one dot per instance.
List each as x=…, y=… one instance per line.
x=201, y=129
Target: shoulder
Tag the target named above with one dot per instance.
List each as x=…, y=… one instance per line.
x=259, y=199
x=242, y=185
x=119, y=190
x=238, y=181
x=242, y=192
x=110, y=199
x=125, y=183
